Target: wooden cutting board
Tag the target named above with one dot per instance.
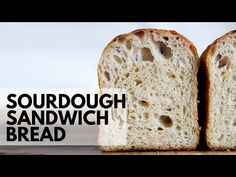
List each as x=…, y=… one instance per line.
x=93, y=150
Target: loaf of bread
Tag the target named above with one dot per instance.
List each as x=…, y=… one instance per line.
x=219, y=63
x=158, y=69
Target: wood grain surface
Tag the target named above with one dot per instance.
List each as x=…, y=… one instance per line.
x=93, y=150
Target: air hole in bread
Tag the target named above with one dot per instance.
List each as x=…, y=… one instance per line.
x=136, y=70
x=226, y=122
x=146, y=115
x=221, y=137
x=143, y=103
x=118, y=49
x=228, y=65
x=140, y=34
x=164, y=50
x=218, y=57
x=223, y=73
x=127, y=75
x=169, y=109
x=184, y=109
x=172, y=76
x=221, y=109
x=156, y=115
x=166, y=38
x=183, y=61
x=132, y=117
x=125, y=55
x=107, y=75
x=182, y=72
x=234, y=77
x=137, y=81
x=166, y=121
x=178, y=128
x=139, y=137
x=234, y=44
x=177, y=38
x=116, y=80
x=147, y=54
x=223, y=62
x=234, y=122
x=185, y=133
x=159, y=128
x=128, y=44
x=118, y=59
x=131, y=93
x=234, y=99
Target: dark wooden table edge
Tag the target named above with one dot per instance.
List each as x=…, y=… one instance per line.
x=94, y=150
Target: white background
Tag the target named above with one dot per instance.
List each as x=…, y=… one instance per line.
x=65, y=55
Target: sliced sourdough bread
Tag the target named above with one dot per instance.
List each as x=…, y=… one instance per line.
x=158, y=69
x=219, y=63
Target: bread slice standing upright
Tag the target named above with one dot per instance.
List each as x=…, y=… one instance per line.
x=219, y=62
x=158, y=69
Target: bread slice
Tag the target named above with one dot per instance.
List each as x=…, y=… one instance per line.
x=219, y=62
x=158, y=69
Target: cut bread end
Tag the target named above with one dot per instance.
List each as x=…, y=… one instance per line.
x=219, y=61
